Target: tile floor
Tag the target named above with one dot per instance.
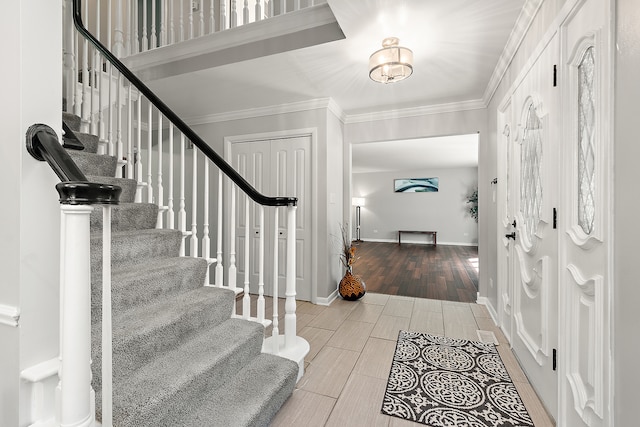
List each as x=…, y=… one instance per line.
x=352, y=346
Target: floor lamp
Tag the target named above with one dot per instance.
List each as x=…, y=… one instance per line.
x=357, y=202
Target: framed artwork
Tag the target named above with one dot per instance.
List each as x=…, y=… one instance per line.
x=415, y=185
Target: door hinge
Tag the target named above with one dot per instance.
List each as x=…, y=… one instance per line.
x=555, y=218
x=555, y=359
x=555, y=75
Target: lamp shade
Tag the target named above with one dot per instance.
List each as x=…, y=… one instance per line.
x=357, y=201
x=392, y=63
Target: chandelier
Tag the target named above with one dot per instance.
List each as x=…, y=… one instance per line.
x=392, y=63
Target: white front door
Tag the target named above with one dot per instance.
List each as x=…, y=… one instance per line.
x=534, y=193
x=276, y=167
x=585, y=242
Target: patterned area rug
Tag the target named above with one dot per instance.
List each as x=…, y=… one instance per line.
x=441, y=381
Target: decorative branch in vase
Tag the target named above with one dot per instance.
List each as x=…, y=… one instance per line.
x=351, y=287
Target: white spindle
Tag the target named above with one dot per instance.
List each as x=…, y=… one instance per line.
x=159, y=185
x=75, y=321
x=258, y=10
x=172, y=30
x=135, y=46
x=212, y=18
x=296, y=4
x=154, y=30
x=145, y=36
x=190, y=21
x=219, y=268
x=86, y=89
x=245, y=12
x=110, y=141
x=120, y=144
x=283, y=7
x=182, y=20
x=77, y=94
x=234, y=14
x=101, y=94
x=223, y=16
x=232, y=241
x=246, y=299
x=118, y=31
x=261, y=302
x=127, y=30
x=272, y=10
x=201, y=16
x=182, y=213
x=206, y=242
x=194, y=204
x=170, y=213
x=69, y=80
x=107, y=352
x=130, y=161
x=139, y=157
x=95, y=75
x=275, y=332
x=149, y=152
x=163, y=26
x=290, y=281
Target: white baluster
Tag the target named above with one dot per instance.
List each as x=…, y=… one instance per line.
x=194, y=204
x=107, y=334
x=272, y=10
x=163, y=27
x=149, y=153
x=212, y=18
x=181, y=20
x=86, y=89
x=234, y=14
x=77, y=98
x=130, y=160
x=127, y=30
x=160, y=200
x=201, y=16
x=69, y=80
x=275, y=332
x=223, y=16
x=219, y=268
x=232, y=241
x=120, y=144
x=261, y=301
x=246, y=299
x=172, y=31
x=93, y=78
x=182, y=213
x=170, y=213
x=154, y=30
x=75, y=322
x=206, y=242
x=190, y=20
x=135, y=43
x=283, y=7
x=111, y=147
x=245, y=12
x=118, y=32
x=258, y=10
x=145, y=36
x=290, y=281
x=98, y=66
x=139, y=158
x=296, y=4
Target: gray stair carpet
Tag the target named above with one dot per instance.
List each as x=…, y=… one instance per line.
x=179, y=359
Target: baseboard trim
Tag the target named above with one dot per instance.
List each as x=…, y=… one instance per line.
x=328, y=300
x=419, y=242
x=9, y=315
x=492, y=312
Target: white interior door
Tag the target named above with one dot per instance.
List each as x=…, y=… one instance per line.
x=534, y=191
x=276, y=167
x=585, y=243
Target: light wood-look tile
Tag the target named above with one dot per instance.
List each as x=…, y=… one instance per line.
x=331, y=318
x=375, y=359
x=431, y=322
x=399, y=422
x=422, y=304
x=536, y=410
x=317, y=338
x=459, y=321
x=480, y=310
x=511, y=363
x=329, y=371
x=351, y=335
x=372, y=298
x=399, y=306
x=388, y=327
x=304, y=409
x=303, y=320
x=486, y=324
x=309, y=308
x=344, y=305
x=361, y=403
x=366, y=313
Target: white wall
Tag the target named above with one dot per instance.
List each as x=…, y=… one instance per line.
x=444, y=211
x=626, y=351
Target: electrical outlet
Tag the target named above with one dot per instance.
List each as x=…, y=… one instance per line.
x=195, y=5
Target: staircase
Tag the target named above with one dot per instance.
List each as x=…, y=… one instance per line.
x=179, y=358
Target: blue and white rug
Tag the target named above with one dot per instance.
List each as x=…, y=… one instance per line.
x=441, y=381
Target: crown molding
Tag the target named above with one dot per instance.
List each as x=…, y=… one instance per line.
x=476, y=104
x=520, y=29
x=337, y=110
x=9, y=315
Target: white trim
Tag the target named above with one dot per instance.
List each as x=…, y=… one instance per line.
x=272, y=110
x=492, y=311
x=328, y=300
x=476, y=104
x=41, y=371
x=420, y=242
x=9, y=315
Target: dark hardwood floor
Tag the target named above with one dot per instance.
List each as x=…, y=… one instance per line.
x=426, y=271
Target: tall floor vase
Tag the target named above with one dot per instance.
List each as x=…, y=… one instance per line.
x=351, y=287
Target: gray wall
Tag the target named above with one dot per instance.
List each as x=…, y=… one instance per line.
x=626, y=351
x=444, y=211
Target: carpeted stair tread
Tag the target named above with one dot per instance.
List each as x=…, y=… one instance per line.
x=94, y=164
x=127, y=216
x=71, y=120
x=173, y=380
x=149, y=281
x=250, y=399
x=90, y=142
x=132, y=247
x=128, y=186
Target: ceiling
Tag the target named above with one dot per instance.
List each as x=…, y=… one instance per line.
x=456, y=46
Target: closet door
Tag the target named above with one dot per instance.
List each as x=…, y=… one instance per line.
x=585, y=243
x=534, y=190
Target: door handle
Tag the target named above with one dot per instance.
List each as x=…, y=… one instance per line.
x=511, y=235
x=514, y=223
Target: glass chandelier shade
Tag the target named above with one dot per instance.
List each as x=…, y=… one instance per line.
x=392, y=63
